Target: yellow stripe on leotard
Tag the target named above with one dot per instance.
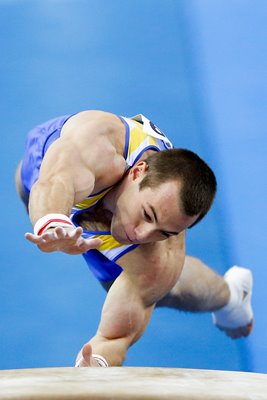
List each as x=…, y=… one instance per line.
x=108, y=242
x=110, y=247
x=91, y=200
x=139, y=140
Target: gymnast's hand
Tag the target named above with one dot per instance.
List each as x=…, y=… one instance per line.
x=67, y=240
x=85, y=358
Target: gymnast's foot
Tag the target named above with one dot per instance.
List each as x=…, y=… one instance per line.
x=236, y=318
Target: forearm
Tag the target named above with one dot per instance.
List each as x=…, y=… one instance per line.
x=113, y=350
x=50, y=196
x=51, y=201
x=124, y=318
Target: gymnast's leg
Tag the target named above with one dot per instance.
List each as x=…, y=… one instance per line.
x=200, y=289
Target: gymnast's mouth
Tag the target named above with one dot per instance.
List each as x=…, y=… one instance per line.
x=122, y=237
x=130, y=235
x=129, y=239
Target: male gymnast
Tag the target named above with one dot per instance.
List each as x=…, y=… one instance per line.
x=116, y=191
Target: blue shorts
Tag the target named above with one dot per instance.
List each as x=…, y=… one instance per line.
x=38, y=141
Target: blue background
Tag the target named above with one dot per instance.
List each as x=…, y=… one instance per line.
x=197, y=69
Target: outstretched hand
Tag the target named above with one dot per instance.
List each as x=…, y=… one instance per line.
x=67, y=240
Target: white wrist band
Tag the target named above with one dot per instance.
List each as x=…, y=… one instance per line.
x=51, y=221
x=101, y=361
x=78, y=362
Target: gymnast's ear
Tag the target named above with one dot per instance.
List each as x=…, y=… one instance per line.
x=138, y=170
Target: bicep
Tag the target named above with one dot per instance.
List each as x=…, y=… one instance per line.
x=63, y=164
x=87, y=159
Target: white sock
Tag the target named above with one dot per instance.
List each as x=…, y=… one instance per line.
x=238, y=311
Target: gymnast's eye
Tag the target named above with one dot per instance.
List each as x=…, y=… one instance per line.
x=147, y=216
x=165, y=234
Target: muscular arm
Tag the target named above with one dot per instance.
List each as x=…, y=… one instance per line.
x=124, y=318
x=86, y=158
x=58, y=186
x=149, y=273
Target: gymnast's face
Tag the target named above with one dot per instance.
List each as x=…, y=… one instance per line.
x=147, y=215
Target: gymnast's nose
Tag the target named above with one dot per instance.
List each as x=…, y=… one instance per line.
x=144, y=232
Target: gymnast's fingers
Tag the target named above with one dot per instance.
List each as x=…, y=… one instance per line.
x=76, y=233
x=32, y=238
x=88, y=244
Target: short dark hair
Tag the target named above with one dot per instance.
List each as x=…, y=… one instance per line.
x=198, y=180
